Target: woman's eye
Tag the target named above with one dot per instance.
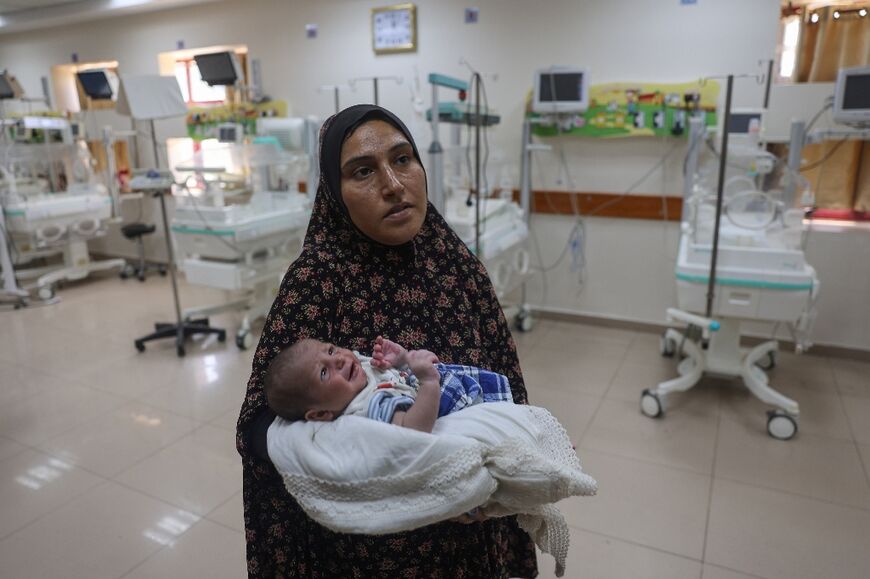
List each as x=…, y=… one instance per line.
x=331, y=350
x=323, y=374
x=362, y=172
x=404, y=159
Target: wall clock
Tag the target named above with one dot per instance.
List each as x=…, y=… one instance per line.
x=394, y=29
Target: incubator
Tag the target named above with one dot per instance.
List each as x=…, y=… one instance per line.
x=759, y=273
x=239, y=224
x=496, y=231
x=53, y=204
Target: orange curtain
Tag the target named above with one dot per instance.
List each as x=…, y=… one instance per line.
x=825, y=47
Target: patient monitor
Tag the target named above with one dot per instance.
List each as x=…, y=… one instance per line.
x=560, y=89
x=852, y=97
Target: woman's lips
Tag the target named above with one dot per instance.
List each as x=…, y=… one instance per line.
x=399, y=211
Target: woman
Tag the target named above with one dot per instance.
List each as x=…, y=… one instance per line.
x=377, y=260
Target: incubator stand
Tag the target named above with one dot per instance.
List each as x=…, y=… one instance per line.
x=242, y=247
x=761, y=275
x=52, y=205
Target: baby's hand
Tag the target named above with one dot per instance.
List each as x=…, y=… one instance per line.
x=422, y=363
x=387, y=354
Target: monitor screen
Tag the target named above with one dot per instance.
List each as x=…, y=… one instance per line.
x=95, y=83
x=560, y=90
x=743, y=123
x=856, y=95
x=228, y=133
x=217, y=68
x=6, y=91
x=561, y=87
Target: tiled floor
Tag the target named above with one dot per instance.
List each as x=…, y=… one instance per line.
x=119, y=464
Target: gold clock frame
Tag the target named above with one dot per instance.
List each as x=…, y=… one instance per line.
x=409, y=47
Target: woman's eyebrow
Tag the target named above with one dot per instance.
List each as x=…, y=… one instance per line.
x=360, y=159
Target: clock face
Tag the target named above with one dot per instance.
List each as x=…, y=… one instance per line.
x=394, y=29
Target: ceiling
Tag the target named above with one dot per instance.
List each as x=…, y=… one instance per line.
x=10, y=6
x=21, y=15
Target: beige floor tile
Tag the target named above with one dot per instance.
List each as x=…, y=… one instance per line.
x=681, y=438
x=205, y=550
x=574, y=411
x=579, y=330
x=230, y=514
x=809, y=465
x=632, y=378
x=197, y=473
x=204, y=397
x=33, y=484
x=774, y=534
x=101, y=534
x=599, y=557
x=20, y=382
x=852, y=377
x=821, y=413
x=228, y=419
x=651, y=505
x=864, y=451
x=119, y=439
x=714, y=572
x=645, y=349
x=574, y=343
x=9, y=448
x=134, y=376
x=44, y=416
x=808, y=371
x=568, y=373
x=858, y=411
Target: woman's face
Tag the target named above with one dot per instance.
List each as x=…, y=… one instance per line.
x=382, y=183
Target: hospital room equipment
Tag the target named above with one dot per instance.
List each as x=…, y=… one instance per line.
x=560, y=90
x=740, y=258
x=238, y=226
x=52, y=203
x=148, y=98
x=219, y=68
x=495, y=229
x=852, y=97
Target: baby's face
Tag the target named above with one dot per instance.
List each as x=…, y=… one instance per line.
x=334, y=375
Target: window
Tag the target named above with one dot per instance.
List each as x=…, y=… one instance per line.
x=193, y=89
x=791, y=26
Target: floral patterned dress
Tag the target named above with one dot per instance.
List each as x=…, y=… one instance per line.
x=430, y=293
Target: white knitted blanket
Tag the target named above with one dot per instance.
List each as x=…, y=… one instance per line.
x=356, y=475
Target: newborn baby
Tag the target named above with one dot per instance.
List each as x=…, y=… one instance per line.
x=316, y=381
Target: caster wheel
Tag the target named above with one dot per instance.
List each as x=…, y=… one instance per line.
x=139, y=346
x=123, y=275
x=244, y=339
x=768, y=362
x=222, y=337
x=141, y=277
x=162, y=270
x=780, y=425
x=667, y=347
x=45, y=292
x=650, y=404
x=523, y=321
x=180, y=351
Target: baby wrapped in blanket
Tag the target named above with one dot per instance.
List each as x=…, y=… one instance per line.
x=362, y=475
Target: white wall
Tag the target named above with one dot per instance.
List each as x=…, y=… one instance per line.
x=630, y=269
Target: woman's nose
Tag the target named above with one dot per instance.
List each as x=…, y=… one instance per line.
x=392, y=184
